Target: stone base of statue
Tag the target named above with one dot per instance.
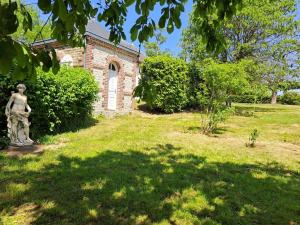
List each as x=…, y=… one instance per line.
x=24, y=142
x=24, y=150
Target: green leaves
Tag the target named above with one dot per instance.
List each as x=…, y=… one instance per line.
x=144, y=26
x=134, y=32
x=45, y=5
x=209, y=15
x=170, y=26
x=55, y=62
x=6, y=54
x=163, y=18
x=163, y=83
x=8, y=20
x=62, y=12
x=46, y=60
x=27, y=20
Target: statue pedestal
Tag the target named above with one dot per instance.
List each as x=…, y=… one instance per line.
x=24, y=150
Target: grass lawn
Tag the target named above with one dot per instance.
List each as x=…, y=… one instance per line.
x=159, y=169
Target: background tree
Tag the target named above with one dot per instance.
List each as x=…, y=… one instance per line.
x=256, y=30
x=193, y=47
x=153, y=48
x=69, y=19
x=221, y=81
x=37, y=24
x=265, y=31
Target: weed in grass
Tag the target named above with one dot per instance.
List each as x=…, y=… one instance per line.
x=211, y=121
x=252, y=138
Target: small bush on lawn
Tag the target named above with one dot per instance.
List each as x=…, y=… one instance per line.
x=220, y=82
x=252, y=138
x=211, y=80
x=59, y=102
x=163, y=84
x=290, y=98
x=212, y=119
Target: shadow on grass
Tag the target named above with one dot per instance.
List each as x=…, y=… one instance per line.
x=162, y=184
x=249, y=111
x=243, y=112
x=77, y=124
x=146, y=109
x=72, y=125
x=198, y=129
x=256, y=108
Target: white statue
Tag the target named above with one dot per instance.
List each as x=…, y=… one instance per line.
x=17, y=118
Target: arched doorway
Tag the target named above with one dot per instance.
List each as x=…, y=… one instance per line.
x=112, y=86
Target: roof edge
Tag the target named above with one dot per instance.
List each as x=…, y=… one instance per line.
x=120, y=45
x=50, y=40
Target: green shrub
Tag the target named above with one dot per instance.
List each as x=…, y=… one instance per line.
x=251, y=98
x=211, y=81
x=196, y=86
x=59, y=102
x=290, y=98
x=212, y=119
x=252, y=138
x=163, y=83
x=255, y=93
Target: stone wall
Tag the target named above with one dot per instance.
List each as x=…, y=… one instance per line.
x=76, y=53
x=99, y=56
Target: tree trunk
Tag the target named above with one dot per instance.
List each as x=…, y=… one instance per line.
x=274, y=97
x=228, y=103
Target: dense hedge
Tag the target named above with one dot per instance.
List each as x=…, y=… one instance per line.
x=59, y=102
x=290, y=98
x=196, y=86
x=163, y=83
x=251, y=98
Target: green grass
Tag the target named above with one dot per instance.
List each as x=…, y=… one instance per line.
x=159, y=169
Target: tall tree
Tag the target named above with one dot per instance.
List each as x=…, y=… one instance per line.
x=264, y=30
x=69, y=19
x=153, y=48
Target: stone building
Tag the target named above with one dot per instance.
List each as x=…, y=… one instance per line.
x=116, y=68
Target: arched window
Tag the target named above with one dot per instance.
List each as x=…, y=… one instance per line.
x=67, y=60
x=112, y=67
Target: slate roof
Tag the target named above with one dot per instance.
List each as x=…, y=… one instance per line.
x=94, y=30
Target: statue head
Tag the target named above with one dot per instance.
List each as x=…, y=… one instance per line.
x=21, y=88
